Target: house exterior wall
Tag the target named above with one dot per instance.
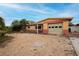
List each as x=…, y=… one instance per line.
x=45, y=24
x=65, y=28
x=65, y=25
x=31, y=28
x=45, y=28
x=74, y=28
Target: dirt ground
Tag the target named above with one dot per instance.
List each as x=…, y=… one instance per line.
x=26, y=44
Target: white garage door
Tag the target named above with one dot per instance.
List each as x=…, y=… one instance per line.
x=55, y=28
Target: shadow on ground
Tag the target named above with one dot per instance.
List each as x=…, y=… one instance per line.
x=5, y=40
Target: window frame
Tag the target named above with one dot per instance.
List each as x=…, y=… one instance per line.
x=56, y=26
x=49, y=26
x=52, y=26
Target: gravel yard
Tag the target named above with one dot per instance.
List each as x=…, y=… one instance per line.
x=26, y=44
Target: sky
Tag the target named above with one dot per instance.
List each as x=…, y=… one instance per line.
x=38, y=11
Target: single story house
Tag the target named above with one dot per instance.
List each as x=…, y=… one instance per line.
x=51, y=26
x=74, y=28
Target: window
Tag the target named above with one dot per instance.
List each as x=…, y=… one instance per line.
x=28, y=26
x=56, y=26
x=39, y=27
x=52, y=26
x=49, y=27
x=60, y=26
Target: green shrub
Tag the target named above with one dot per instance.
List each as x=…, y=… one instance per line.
x=2, y=39
x=30, y=31
x=2, y=33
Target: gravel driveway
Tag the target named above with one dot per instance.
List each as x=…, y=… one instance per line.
x=25, y=44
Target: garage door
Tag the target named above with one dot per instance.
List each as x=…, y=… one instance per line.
x=55, y=28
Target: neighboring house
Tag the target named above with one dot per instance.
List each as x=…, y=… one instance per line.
x=74, y=28
x=52, y=26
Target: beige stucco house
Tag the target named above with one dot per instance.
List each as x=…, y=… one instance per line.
x=51, y=26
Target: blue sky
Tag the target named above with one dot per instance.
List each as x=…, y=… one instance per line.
x=38, y=11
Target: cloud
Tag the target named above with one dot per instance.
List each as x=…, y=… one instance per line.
x=67, y=14
x=69, y=11
x=2, y=14
x=14, y=6
x=42, y=11
x=17, y=7
x=47, y=9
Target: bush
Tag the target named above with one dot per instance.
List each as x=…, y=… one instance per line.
x=8, y=30
x=2, y=33
x=2, y=39
x=30, y=31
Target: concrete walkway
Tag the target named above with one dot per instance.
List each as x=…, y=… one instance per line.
x=75, y=42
